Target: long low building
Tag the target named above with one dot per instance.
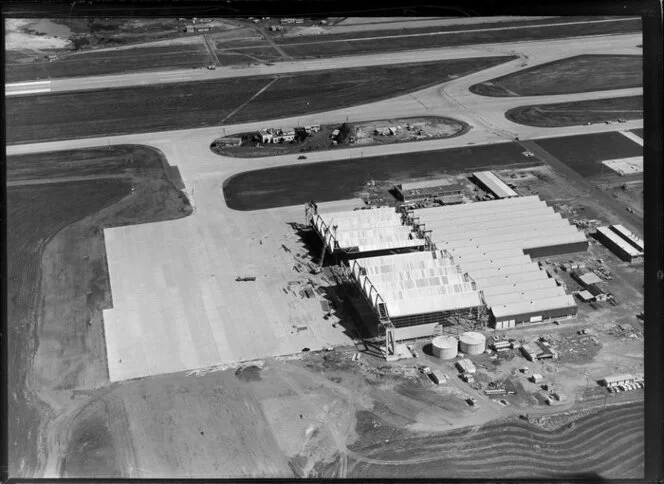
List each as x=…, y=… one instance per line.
x=415, y=291
x=620, y=246
x=365, y=232
x=493, y=242
x=631, y=238
x=489, y=181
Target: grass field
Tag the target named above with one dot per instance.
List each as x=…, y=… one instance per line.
x=608, y=444
x=581, y=73
x=92, y=63
x=58, y=283
x=254, y=55
x=206, y=103
x=111, y=62
x=34, y=215
x=337, y=180
x=585, y=153
x=316, y=46
x=579, y=112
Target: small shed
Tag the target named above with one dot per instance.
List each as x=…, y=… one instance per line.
x=536, y=378
x=585, y=296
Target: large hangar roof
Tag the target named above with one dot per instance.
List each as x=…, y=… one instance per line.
x=487, y=240
x=411, y=284
x=365, y=230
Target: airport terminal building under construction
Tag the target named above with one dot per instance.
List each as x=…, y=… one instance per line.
x=421, y=270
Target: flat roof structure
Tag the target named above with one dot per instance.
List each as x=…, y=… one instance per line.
x=365, y=231
x=412, y=284
x=624, y=249
x=498, y=187
x=588, y=278
x=491, y=241
x=630, y=237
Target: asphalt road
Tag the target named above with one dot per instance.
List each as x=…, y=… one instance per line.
x=532, y=53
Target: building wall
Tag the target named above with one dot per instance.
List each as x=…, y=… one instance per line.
x=412, y=332
x=545, y=315
x=557, y=249
x=616, y=249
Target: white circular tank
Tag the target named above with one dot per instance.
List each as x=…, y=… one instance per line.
x=445, y=347
x=472, y=343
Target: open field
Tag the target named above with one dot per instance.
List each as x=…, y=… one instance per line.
x=607, y=444
x=58, y=283
x=111, y=61
x=578, y=112
x=582, y=73
x=316, y=46
x=123, y=160
x=585, y=153
x=235, y=48
x=501, y=28
x=35, y=214
x=209, y=103
x=336, y=180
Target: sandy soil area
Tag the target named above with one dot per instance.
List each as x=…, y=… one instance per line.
x=51, y=35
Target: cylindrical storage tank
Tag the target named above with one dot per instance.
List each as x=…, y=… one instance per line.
x=472, y=343
x=445, y=347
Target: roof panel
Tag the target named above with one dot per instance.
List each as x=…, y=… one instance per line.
x=495, y=184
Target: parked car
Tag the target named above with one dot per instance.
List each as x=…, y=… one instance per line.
x=301, y=157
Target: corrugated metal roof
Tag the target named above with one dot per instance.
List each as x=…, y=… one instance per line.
x=493, y=219
x=481, y=210
x=589, y=278
x=619, y=378
x=486, y=282
x=524, y=307
x=534, y=285
x=528, y=295
x=495, y=184
x=412, y=306
x=527, y=229
x=619, y=241
x=484, y=205
x=414, y=285
x=629, y=237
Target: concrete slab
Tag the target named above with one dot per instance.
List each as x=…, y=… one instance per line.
x=626, y=166
x=177, y=306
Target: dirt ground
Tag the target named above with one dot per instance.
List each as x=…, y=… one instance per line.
x=409, y=129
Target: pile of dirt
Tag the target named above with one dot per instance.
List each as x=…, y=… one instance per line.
x=248, y=373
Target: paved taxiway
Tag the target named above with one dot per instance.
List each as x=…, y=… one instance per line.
x=544, y=51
